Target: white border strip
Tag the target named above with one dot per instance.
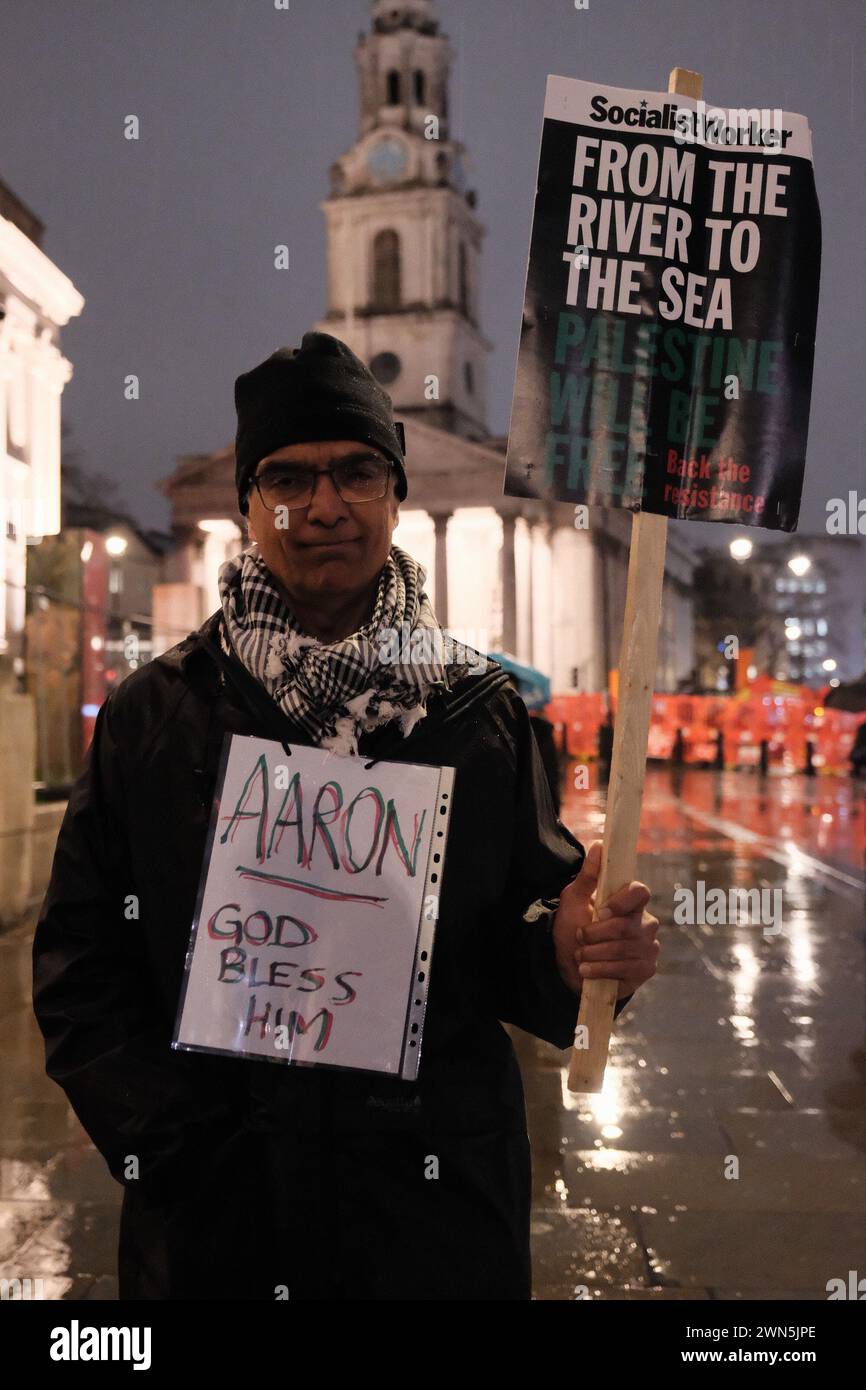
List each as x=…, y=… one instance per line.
x=414, y=1034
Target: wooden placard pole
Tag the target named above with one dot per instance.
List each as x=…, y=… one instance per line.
x=646, y=566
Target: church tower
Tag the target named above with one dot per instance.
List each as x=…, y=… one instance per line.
x=404, y=242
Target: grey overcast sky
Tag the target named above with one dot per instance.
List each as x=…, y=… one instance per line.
x=243, y=107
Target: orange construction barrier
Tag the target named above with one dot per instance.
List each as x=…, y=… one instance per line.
x=787, y=718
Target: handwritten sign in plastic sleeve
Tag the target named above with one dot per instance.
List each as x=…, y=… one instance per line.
x=314, y=925
x=668, y=333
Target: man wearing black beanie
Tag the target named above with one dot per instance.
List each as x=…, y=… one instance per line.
x=326, y=550
x=320, y=391
x=251, y=1181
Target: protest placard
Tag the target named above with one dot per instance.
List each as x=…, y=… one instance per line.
x=314, y=925
x=666, y=352
x=665, y=365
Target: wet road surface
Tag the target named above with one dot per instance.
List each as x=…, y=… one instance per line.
x=746, y=1053
x=746, y=1047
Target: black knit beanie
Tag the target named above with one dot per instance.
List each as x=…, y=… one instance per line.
x=318, y=391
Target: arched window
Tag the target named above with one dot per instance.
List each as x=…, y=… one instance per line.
x=393, y=88
x=419, y=87
x=464, y=280
x=386, y=270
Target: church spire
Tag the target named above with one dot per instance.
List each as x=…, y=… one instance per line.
x=404, y=240
x=404, y=63
x=410, y=14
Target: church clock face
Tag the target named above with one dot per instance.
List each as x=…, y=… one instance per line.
x=385, y=367
x=387, y=160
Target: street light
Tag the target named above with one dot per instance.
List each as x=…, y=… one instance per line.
x=741, y=548
x=115, y=545
x=793, y=632
x=799, y=564
x=829, y=664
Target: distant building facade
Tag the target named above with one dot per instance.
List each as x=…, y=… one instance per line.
x=796, y=603
x=815, y=616
x=36, y=301
x=89, y=625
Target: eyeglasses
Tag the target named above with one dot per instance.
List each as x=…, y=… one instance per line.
x=360, y=479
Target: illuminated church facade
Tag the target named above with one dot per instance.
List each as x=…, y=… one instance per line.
x=404, y=246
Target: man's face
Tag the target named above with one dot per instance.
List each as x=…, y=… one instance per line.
x=329, y=547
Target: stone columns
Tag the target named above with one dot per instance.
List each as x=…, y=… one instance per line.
x=509, y=587
x=440, y=600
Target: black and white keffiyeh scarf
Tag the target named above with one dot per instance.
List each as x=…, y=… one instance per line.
x=335, y=691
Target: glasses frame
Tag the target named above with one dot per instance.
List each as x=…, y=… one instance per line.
x=320, y=472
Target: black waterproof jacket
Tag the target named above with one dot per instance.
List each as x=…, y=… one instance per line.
x=246, y=1179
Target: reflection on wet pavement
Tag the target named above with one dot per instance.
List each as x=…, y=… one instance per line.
x=726, y=1156
x=58, y=1206
x=745, y=1054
